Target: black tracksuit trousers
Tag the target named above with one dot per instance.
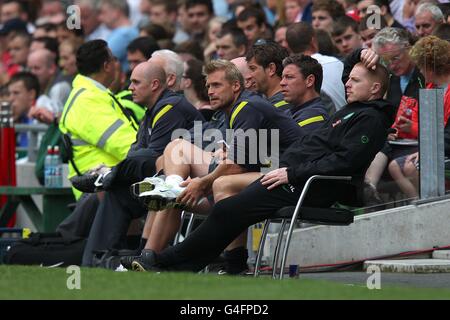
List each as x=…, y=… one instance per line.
x=228, y=219
x=118, y=207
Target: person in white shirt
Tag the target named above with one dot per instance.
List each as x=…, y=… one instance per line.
x=301, y=39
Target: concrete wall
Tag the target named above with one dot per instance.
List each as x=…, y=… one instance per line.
x=373, y=235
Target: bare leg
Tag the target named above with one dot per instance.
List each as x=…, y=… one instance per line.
x=376, y=169
x=148, y=224
x=404, y=184
x=163, y=229
x=410, y=171
x=186, y=160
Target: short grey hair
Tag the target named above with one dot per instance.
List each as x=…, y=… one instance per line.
x=122, y=5
x=173, y=63
x=435, y=11
x=390, y=35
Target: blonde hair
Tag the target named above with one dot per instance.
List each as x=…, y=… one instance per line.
x=232, y=73
x=432, y=53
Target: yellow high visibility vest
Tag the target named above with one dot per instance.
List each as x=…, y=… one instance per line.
x=99, y=130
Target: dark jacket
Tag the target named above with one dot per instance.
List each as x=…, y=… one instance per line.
x=171, y=112
x=205, y=135
x=310, y=115
x=156, y=129
x=345, y=145
x=277, y=100
x=307, y=13
x=394, y=93
x=258, y=117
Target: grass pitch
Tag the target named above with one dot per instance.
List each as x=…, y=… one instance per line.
x=20, y=282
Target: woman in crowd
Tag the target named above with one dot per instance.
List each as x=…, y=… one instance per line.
x=432, y=56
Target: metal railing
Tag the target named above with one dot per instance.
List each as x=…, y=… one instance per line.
x=431, y=143
x=34, y=131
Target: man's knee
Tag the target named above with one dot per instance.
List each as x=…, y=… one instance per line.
x=410, y=169
x=178, y=149
x=175, y=142
x=222, y=186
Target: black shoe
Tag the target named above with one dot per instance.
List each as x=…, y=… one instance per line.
x=235, y=262
x=90, y=182
x=218, y=264
x=145, y=262
x=85, y=183
x=127, y=261
x=241, y=272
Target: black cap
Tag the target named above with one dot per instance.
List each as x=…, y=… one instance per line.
x=14, y=24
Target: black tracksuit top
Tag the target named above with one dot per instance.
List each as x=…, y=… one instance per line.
x=344, y=145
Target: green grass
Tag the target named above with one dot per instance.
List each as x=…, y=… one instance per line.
x=17, y=282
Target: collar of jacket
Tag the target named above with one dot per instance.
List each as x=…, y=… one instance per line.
x=245, y=95
x=377, y=103
x=88, y=83
x=311, y=103
x=160, y=103
x=382, y=105
x=165, y=94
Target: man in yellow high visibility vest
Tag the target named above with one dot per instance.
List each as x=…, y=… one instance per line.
x=100, y=131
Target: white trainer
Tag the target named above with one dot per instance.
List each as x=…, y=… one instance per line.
x=162, y=196
x=148, y=184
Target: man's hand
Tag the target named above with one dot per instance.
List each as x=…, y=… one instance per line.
x=275, y=178
x=392, y=136
x=220, y=155
x=404, y=124
x=196, y=189
x=41, y=114
x=414, y=158
x=369, y=58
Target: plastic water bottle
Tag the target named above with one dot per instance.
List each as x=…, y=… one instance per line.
x=57, y=169
x=48, y=168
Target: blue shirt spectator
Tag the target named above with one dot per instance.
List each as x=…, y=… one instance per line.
x=118, y=41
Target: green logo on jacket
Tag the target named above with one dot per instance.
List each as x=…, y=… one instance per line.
x=364, y=139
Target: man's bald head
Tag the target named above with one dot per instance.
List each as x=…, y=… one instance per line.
x=148, y=81
x=44, y=56
x=151, y=70
x=241, y=64
x=41, y=63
